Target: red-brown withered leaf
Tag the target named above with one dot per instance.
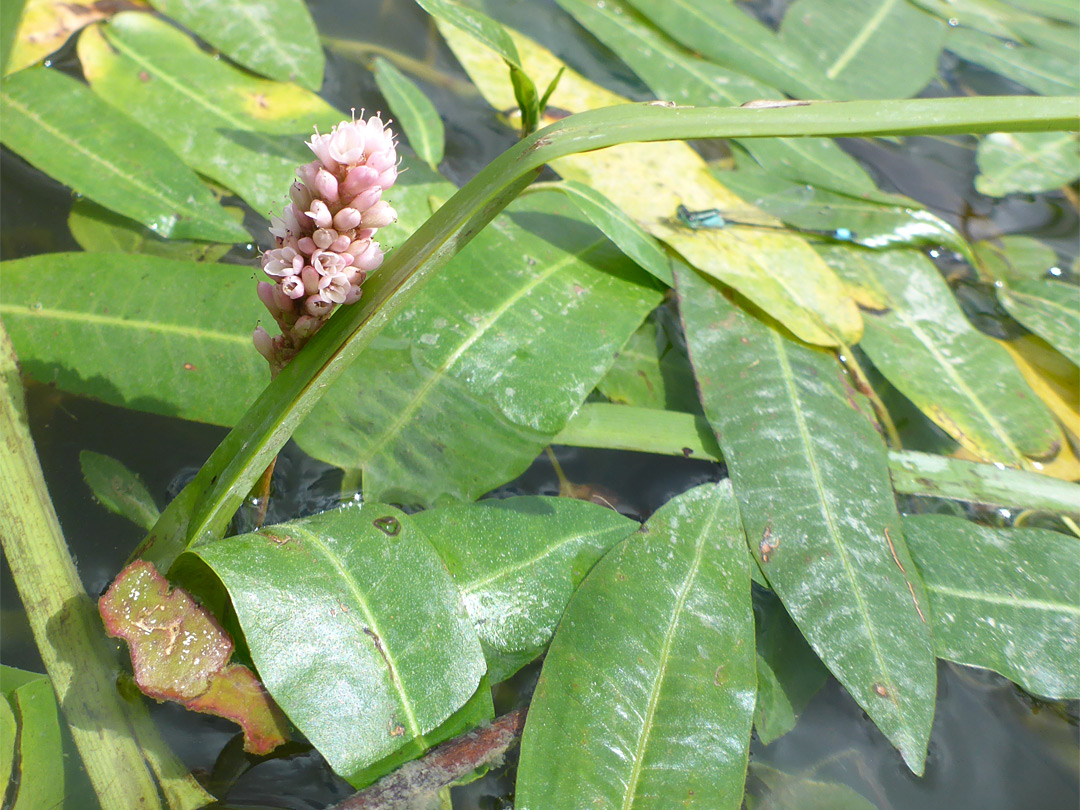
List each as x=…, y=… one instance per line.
x=179, y=652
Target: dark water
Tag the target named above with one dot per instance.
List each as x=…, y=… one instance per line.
x=992, y=748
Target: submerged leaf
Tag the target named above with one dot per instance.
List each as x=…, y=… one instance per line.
x=179, y=652
x=1050, y=309
x=1003, y=599
x=811, y=477
x=647, y=691
x=1016, y=258
x=1026, y=162
x=118, y=489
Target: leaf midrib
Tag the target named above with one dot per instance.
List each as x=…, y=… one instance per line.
x=994, y=599
x=859, y=41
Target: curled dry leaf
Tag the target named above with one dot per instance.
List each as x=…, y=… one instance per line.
x=179, y=652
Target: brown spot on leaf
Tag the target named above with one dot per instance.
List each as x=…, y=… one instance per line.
x=880, y=690
x=387, y=524
x=189, y=366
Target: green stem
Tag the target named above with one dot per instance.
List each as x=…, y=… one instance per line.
x=68, y=633
x=622, y=427
x=203, y=510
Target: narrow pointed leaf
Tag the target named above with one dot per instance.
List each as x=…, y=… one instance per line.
x=1003, y=599
x=116, y=162
x=728, y=35
x=1051, y=375
x=475, y=24
x=1050, y=309
x=516, y=562
x=276, y=38
x=854, y=44
x=776, y=270
x=355, y=627
x=471, y=381
x=414, y=111
x=647, y=691
x=1044, y=72
x=244, y=132
x=118, y=489
x=812, y=481
x=674, y=74
x=138, y=331
x=923, y=344
x=1026, y=162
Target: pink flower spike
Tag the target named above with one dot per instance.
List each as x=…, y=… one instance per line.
x=346, y=219
x=358, y=179
x=265, y=291
x=379, y=215
x=293, y=287
x=320, y=214
x=264, y=343
x=367, y=198
x=347, y=142
x=318, y=305
x=326, y=185
x=310, y=278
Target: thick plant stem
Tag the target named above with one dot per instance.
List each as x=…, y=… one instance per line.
x=68, y=632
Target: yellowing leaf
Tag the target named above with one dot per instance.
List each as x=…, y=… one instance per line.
x=48, y=24
x=1051, y=376
x=778, y=271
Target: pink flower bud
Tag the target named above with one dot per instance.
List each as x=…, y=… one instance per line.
x=264, y=343
x=300, y=195
x=307, y=175
x=347, y=218
x=381, y=161
x=347, y=142
x=310, y=278
x=370, y=259
x=326, y=185
x=355, y=275
x=366, y=198
x=358, y=179
x=320, y=145
x=320, y=214
x=307, y=245
x=318, y=305
x=306, y=326
x=388, y=177
x=379, y=215
x=282, y=301
x=324, y=237
x=341, y=244
x=265, y=292
x=354, y=295
x=293, y=287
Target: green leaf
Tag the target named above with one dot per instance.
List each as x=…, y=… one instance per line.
x=1044, y=72
x=858, y=47
x=115, y=162
x=9, y=27
x=674, y=74
x=37, y=746
x=652, y=370
x=1064, y=10
x=789, y=673
x=99, y=230
x=874, y=223
x=647, y=692
x=786, y=791
x=1003, y=599
x=138, y=331
x=812, y=481
x=1050, y=309
x=276, y=38
x=516, y=562
x=8, y=730
x=1026, y=161
x=355, y=626
x=724, y=33
x=118, y=489
x=416, y=114
x=461, y=391
x=923, y=344
x=244, y=132
x=631, y=238
x=1007, y=21
x=476, y=24
x=1013, y=258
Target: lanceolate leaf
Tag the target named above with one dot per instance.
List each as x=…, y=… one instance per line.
x=1004, y=599
x=855, y=44
x=1044, y=72
x=414, y=111
x=355, y=627
x=118, y=489
x=724, y=33
x=116, y=162
x=1048, y=308
x=674, y=74
x=1026, y=161
x=516, y=562
x=957, y=376
x=138, y=331
x=244, y=132
x=462, y=390
x=276, y=38
x=812, y=481
x=647, y=692
x=776, y=270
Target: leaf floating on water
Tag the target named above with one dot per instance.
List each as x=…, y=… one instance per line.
x=179, y=652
